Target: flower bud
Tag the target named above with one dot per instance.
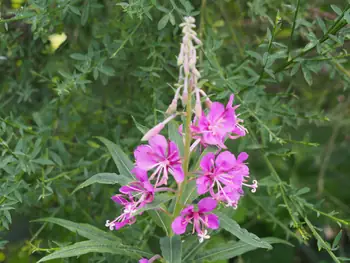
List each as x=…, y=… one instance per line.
x=154, y=131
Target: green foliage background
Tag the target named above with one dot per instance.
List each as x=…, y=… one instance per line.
x=286, y=61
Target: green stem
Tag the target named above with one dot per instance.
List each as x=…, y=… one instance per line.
x=293, y=27
x=329, y=216
x=178, y=205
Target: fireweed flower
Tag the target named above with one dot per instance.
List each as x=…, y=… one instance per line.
x=219, y=124
x=224, y=176
x=151, y=260
x=141, y=190
x=201, y=219
x=127, y=217
x=163, y=157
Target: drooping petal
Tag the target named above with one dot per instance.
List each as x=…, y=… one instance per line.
x=179, y=225
x=159, y=145
x=119, y=225
x=207, y=161
x=230, y=101
x=144, y=157
x=143, y=260
x=132, y=187
x=119, y=199
x=225, y=161
x=177, y=172
x=213, y=221
x=242, y=157
x=206, y=205
x=140, y=174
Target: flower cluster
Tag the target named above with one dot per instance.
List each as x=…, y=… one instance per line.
x=221, y=176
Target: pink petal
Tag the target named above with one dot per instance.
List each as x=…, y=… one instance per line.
x=144, y=156
x=179, y=225
x=143, y=260
x=119, y=225
x=187, y=211
x=140, y=174
x=213, y=221
x=173, y=150
x=177, y=172
x=132, y=187
x=242, y=157
x=206, y=205
x=225, y=160
x=203, y=183
x=216, y=110
x=119, y=200
x=159, y=145
x=230, y=101
x=207, y=161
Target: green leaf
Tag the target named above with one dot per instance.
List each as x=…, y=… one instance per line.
x=163, y=22
x=233, y=227
x=171, y=249
x=336, y=9
x=120, y=158
x=157, y=202
x=84, y=247
x=107, y=70
x=307, y=75
x=85, y=15
x=104, y=178
x=75, y=10
x=143, y=129
x=174, y=135
x=233, y=249
x=84, y=230
x=161, y=219
x=78, y=56
x=43, y=161
x=337, y=239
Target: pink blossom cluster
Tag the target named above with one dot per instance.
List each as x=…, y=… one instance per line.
x=221, y=176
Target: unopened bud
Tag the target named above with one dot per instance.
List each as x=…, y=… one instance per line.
x=172, y=107
x=208, y=102
x=152, y=132
x=198, y=109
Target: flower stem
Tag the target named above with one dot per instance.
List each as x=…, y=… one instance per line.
x=187, y=152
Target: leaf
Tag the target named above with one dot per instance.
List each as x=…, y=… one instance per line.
x=336, y=9
x=307, y=75
x=43, y=161
x=163, y=22
x=84, y=247
x=161, y=219
x=120, y=158
x=78, y=56
x=233, y=227
x=174, y=135
x=233, y=249
x=157, y=202
x=143, y=129
x=75, y=10
x=109, y=71
x=104, y=178
x=337, y=239
x=171, y=249
x=84, y=230
x=85, y=14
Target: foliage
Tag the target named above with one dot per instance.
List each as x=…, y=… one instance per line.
x=74, y=70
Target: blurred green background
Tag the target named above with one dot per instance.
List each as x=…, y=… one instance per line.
x=71, y=70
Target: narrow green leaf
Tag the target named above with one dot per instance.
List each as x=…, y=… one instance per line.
x=85, y=14
x=171, y=249
x=161, y=219
x=157, y=202
x=120, y=158
x=233, y=227
x=109, y=71
x=163, y=22
x=307, y=75
x=84, y=230
x=104, y=178
x=84, y=247
x=174, y=135
x=233, y=249
x=336, y=9
x=78, y=56
x=143, y=129
x=337, y=239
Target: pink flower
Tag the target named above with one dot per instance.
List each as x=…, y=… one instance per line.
x=142, y=189
x=200, y=219
x=224, y=176
x=219, y=124
x=151, y=260
x=163, y=157
x=127, y=217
